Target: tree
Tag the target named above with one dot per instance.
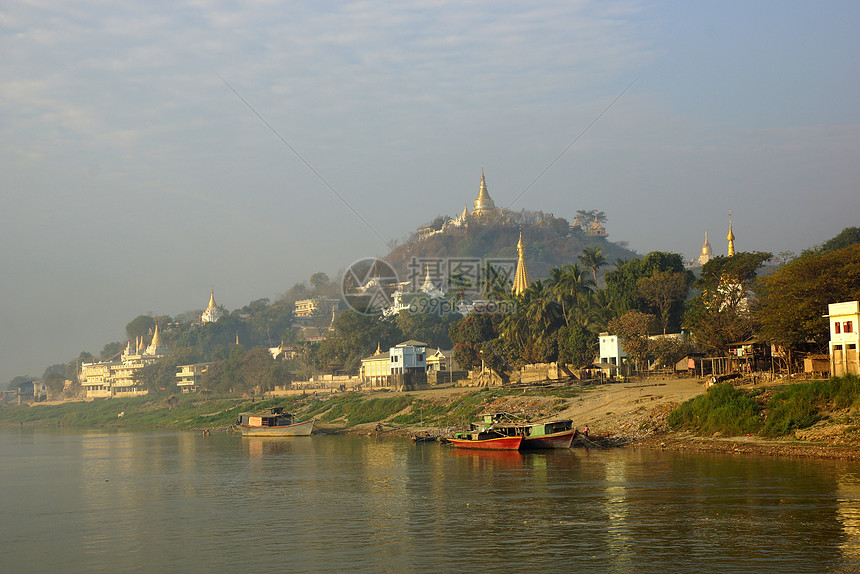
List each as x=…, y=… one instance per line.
x=112, y=350
x=55, y=382
x=140, y=326
x=723, y=312
x=794, y=298
x=848, y=236
x=469, y=335
x=319, y=280
x=570, y=287
x=160, y=377
x=661, y=291
x=593, y=258
x=621, y=282
x=430, y=328
x=582, y=346
x=633, y=329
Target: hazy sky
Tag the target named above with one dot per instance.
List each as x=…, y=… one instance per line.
x=134, y=179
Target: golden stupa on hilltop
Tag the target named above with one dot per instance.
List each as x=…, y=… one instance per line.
x=484, y=205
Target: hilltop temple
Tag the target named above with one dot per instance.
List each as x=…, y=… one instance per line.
x=212, y=312
x=484, y=206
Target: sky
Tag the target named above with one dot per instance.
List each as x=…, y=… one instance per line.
x=152, y=151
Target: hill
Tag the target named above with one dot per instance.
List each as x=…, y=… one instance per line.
x=549, y=242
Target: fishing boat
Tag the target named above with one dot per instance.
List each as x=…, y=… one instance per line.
x=485, y=439
x=549, y=434
x=272, y=422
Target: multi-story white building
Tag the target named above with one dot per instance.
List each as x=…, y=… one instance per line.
x=844, y=338
x=119, y=378
x=188, y=376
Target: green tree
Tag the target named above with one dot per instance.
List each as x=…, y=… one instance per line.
x=722, y=313
x=622, y=282
x=571, y=289
x=140, y=326
x=112, y=350
x=593, y=258
x=662, y=291
x=55, y=382
x=469, y=335
x=794, y=298
x=848, y=236
x=582, y=345
x=319, y=280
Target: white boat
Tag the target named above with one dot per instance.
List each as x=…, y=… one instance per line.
x=272, y=422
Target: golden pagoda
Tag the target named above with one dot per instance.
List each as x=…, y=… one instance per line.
x=521, y=279
x=212, y=312
x=484, y=205
x=707, y=253
x=731, y=238
x=155, y=348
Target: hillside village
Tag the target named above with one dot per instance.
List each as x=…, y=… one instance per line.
x=490, y=297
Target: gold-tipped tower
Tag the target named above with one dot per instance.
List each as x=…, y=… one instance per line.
x=521, y=279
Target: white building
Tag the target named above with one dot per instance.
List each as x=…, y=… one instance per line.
x=844, y=338
x=409, y=356
x=119, y=378
x=610, y=352
x=189, y=376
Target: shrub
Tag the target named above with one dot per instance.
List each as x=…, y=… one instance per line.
x=723, y=409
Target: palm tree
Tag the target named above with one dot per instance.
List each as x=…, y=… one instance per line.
x=593, y=258
x=569, y=285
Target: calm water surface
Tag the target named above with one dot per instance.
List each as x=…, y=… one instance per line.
x=182, y=502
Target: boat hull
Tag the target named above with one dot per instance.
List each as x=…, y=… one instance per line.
x=298, y=429
x=561, y=439
x=501, y=443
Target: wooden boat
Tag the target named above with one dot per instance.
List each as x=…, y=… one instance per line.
x=549, y=434
x=485, y=439
x=272, y=422
x=423, y=438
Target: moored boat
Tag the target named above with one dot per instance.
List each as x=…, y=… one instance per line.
x=485, y=439
x=272, y=422
x=549, y=434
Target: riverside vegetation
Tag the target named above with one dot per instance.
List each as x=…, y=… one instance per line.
x=817, y=413
x=336, y=412
x=773, y=412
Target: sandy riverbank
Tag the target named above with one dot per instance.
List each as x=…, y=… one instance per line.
x=635, y=414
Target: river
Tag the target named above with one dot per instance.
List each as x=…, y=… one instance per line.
x=87, y=501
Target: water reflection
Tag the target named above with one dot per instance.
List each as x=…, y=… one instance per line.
x=181, y=501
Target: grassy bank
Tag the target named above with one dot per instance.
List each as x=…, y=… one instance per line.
x=339, y=410
x=777, y=413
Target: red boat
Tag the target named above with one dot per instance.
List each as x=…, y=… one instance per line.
x=486, y=440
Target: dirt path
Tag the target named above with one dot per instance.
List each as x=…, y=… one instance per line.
x=634, y=409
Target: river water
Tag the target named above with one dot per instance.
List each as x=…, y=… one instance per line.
x=77, y=501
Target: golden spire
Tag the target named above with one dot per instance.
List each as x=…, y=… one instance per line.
x=731, y=237
x=484, y=203
x=521, y=279
x=706, y=246
x=155, y=341
x=465, y=213
x=211, y=299
x=378, y=349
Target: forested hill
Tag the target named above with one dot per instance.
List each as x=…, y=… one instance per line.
x=548, y=244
